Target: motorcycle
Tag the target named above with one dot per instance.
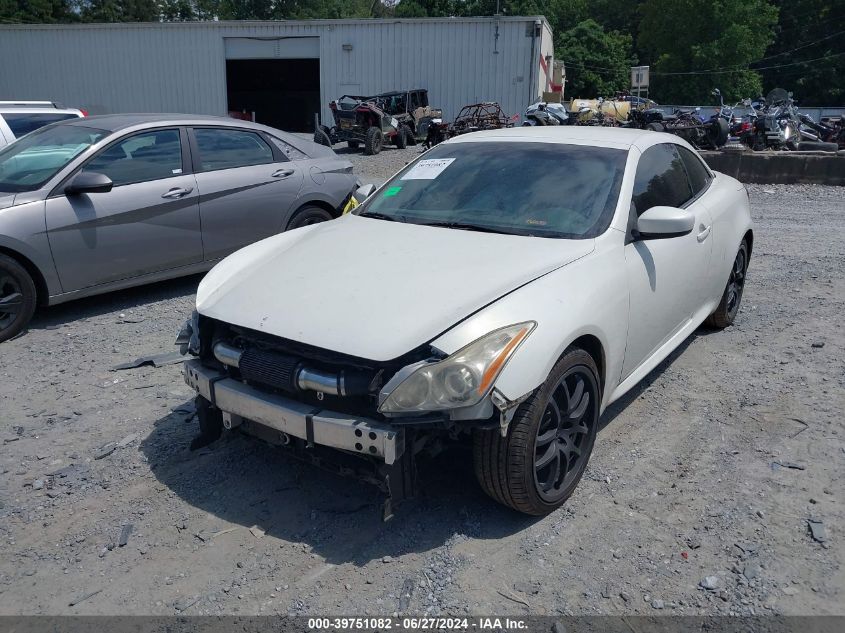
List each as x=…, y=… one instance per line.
x=775, y=123
x=824, y=136
x=543, y=113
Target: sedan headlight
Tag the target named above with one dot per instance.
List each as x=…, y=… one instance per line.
x=462, y=379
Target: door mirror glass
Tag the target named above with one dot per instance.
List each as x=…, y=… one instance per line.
x=364, y=191
x=89, y=182
x=663, y=222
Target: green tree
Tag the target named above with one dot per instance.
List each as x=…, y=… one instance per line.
x=719, y=39
x=597, y=62
x=119, y=10
x=808, y=53
x=36, y=11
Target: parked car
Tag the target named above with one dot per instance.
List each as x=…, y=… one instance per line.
x=18, y=118
x=102, y=203
x=507, y=287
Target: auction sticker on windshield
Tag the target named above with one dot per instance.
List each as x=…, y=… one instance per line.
x=428, y=169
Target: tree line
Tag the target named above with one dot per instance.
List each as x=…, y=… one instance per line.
x=743, y=47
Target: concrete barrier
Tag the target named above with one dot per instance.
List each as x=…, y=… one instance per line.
x=776, y=168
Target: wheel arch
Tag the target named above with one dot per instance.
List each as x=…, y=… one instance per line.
x=41, y=289
x=593, y=346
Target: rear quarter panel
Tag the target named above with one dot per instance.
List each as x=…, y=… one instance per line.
x=727, y=201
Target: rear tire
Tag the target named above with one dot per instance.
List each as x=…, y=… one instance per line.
x=308, y=215
x=322, y=137
x=401, y=138
x=535, y=468
x=654, y=126
x=18, y=298
x=718, y=132
x=374, y=142
x=817, y=146
x=728, y=307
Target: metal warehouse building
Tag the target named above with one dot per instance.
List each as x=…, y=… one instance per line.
x=283, y=71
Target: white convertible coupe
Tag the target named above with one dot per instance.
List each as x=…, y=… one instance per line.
x=506, y=286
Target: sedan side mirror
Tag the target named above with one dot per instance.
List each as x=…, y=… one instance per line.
x=663, y=222
x=364, y=191
x=89, y=182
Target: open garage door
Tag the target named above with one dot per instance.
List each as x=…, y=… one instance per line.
x=277, y=79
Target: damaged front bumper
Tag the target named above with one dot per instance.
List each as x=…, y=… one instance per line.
x=290, y=418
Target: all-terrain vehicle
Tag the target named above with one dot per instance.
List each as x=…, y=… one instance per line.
x=401, y=118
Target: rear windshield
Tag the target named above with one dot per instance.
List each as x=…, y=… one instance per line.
x=522, y=188
x=25, y=122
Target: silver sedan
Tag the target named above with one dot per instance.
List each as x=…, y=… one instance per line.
x=102, y=203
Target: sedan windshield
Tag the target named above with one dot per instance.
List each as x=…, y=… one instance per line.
x=31, y=161
x=520, y=188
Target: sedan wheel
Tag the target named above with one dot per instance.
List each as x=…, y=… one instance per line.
x=536, y=467
x=17, y=298
x=565, y=428
x=732, y=297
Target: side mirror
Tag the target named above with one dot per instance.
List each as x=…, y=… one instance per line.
x=364, y=191
x=746, y=102
x=663, y=222
x=89, y=182
x=716, y=92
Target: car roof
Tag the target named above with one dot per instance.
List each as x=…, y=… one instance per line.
x=117, y=122
x=579, y=134
x=23, y=108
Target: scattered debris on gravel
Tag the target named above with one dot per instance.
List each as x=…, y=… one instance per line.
x=715, y=487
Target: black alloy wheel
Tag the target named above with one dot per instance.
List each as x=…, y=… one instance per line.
x=11, y=300
x=18, y=297
x=565, y=430
x=728, y=307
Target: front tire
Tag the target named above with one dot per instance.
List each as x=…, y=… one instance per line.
x=374, y=141
x=18, y=298
x=535, y=468
x=729, y=305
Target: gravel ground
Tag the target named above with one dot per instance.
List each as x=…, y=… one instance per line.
x=697, y=500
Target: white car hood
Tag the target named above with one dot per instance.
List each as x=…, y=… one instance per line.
x=372, y=288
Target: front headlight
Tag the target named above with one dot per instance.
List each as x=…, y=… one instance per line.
x=462, y=379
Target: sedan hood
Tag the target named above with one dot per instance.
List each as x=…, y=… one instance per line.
x=371, y=288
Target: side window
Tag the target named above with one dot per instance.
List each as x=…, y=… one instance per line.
x=423, y=99
x=141, y=157
x=661, y=179
x=415, y=101
x=289, y=151
x=226, y=149
x=698, y=175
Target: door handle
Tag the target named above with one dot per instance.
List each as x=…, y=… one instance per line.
x=704, y=232
x=177, y=192
x=282, y=173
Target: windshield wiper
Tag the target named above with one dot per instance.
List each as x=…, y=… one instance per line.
x=468, y=226
x=377, y=216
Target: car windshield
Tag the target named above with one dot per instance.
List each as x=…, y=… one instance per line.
x=521, y=188
x=32, y=160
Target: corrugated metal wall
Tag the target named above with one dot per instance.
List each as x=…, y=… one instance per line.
x=181, y=67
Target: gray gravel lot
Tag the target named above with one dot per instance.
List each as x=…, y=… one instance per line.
x=697, y=500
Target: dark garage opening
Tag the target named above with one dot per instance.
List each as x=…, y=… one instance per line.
x=283, y=93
